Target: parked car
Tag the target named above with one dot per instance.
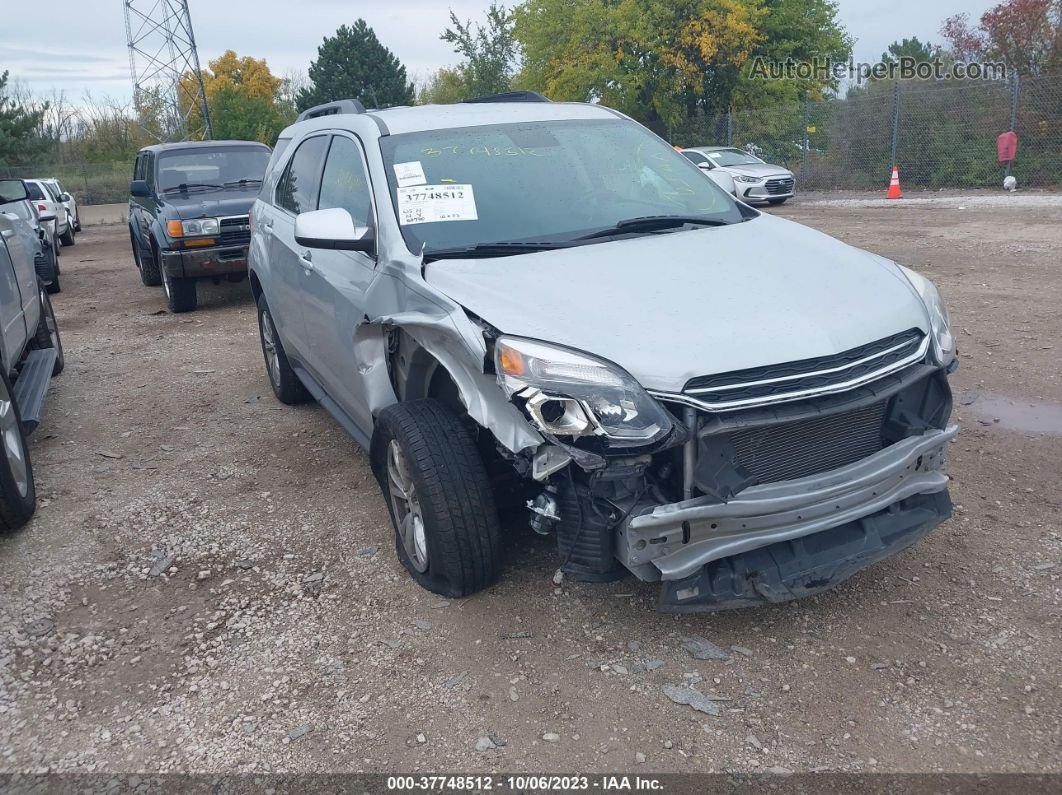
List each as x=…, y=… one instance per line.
x=41, y=194
x=514, y=295
x=756, y=181
x=717, y=175
x=31, y=353
x=188, y=211
x=69, y=204
x=37, y=225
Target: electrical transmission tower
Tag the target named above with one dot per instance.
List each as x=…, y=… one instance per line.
x=168, y=90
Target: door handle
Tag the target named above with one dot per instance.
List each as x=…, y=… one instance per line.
x=304, y=260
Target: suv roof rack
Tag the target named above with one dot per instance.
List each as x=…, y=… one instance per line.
x=511, y=96
x=332, y=109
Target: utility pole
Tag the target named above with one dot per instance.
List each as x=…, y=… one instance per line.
x=164, y=64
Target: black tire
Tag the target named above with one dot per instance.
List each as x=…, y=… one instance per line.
x=53, y=287
x=181, y=294
x=286, y=385
x=148, y=267
x=68, y=238
x=18, y=494
x=455, y=506
x=777, y=202
x=47, y=335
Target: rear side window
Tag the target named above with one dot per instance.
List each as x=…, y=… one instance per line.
x=300, y=184
x=52, y=190
x=695, y=157
x=35, y=192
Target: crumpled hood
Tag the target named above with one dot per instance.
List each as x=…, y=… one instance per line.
x=212, y=204
x=670, y=307
x=764, y=170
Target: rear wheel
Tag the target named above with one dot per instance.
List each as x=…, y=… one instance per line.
x=47, y=335
x=68, y=237
x=147, y=265
x=439, y=497
x=286, y=385
x=18, y=496
x=181, y=294
x=53, y=286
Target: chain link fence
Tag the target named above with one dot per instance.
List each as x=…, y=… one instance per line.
x=90, y=183
x=941, y=135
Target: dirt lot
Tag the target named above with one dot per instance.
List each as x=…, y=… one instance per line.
x=162, y=444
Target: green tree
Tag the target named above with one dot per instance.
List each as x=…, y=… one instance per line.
x=20, y=127
x=244, y=97
x=490, y=52
x=445, y=86
x=910, y=48
x=353, y=64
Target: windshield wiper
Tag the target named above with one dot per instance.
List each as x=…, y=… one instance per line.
x=242, y=182
x=186, y=185
x=653, y=223
x=493, y=250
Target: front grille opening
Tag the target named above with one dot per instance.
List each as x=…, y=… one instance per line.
x=807, y=447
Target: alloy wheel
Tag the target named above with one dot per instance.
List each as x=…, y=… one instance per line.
x=406, y=506
x=269, y=348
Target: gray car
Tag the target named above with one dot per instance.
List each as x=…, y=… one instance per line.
x=520, y=304
x=755, y=180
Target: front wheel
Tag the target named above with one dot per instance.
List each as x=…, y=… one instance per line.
x=439, y=497
x=67, y=237
x=181, y=294
x=18, y=495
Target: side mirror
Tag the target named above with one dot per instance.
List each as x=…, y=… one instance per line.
x=13, y=190
x=139, y=189
x=704, y=166
x=332, y=229
x=65, y=197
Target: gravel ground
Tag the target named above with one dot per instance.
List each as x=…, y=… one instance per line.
x=210, y=583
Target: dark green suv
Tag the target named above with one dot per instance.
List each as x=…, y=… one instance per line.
x=188, y=214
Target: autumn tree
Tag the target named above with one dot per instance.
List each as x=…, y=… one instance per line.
x=243, y=96
x=1025, y=34
x=445, y=86
x=353, y=64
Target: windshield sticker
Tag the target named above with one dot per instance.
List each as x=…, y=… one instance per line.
x=430, y=204
x=411, y=173
x=713, y=155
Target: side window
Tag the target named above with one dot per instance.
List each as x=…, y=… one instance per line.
x=138, y=166
x=298, y=187
x=148, y=168
x=345, y=183
x=695, y=157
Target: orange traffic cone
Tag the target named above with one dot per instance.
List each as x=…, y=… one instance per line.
x=894, y=185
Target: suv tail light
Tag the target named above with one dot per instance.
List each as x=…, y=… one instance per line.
x=42, y=207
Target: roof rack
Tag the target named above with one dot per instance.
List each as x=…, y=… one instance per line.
x=512, y=96
x=332, y=109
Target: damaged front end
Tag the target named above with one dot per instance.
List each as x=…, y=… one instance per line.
x=747, y=488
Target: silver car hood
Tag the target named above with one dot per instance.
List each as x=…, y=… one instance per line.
x=759, y=170
x=670, y=307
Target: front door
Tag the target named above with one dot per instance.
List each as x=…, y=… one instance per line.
x=333, y=288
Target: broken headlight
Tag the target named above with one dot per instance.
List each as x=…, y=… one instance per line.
x=940, y=323
x=567, y=393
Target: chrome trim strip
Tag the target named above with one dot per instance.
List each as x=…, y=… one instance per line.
x=808, y=374
x=832, y=389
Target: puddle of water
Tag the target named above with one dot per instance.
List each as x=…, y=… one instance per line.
x=1018, y=414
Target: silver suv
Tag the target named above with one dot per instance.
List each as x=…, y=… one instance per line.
x=515, y=301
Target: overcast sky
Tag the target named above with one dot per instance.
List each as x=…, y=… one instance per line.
x=79, y=45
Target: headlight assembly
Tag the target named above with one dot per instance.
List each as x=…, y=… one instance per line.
x=573, y=394
x=747, y=179
x=197, y=227
x=940, y=323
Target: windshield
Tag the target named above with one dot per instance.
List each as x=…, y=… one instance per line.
x=228, y=165
x=732, y=157
x=552, y=181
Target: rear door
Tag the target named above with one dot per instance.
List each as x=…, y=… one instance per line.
x=333, y=289
x=12, y=317
x=296, y=192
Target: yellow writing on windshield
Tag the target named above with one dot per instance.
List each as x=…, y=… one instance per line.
x=482, y=151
